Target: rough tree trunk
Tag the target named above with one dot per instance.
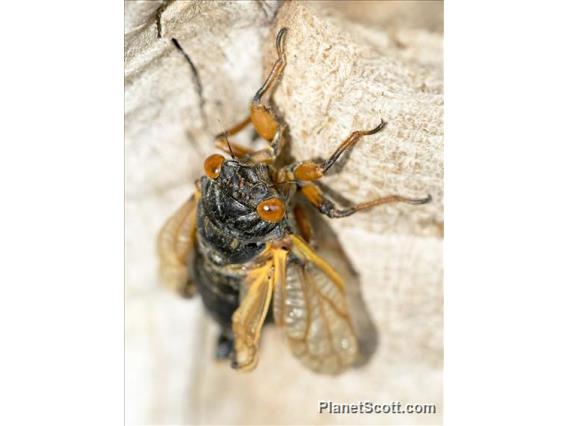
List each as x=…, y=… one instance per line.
x=349, y=65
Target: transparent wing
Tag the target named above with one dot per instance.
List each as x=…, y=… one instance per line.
x=311, y=306
x=176, y=245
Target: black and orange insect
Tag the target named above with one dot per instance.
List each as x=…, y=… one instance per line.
x=244, y=244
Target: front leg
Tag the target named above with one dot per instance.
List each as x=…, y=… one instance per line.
x=264, y=120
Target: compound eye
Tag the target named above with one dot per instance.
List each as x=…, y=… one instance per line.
x=271, y=210
x=213, y=165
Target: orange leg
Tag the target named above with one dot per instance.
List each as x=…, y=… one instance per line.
x=263, y=119
x=316, y=196
x=261, y=116
x=277, y=68
x=310, y=170
x=303, y=224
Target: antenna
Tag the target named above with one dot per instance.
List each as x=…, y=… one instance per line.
x=229, y=145
x=224, y=134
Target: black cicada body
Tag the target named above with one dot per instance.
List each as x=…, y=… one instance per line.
x=230, y=232
x=244, y=244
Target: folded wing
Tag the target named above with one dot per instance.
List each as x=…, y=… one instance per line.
x=249, y=317
x=176, y=246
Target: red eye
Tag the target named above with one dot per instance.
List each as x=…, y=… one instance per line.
x=271, y=210
x=213, y=165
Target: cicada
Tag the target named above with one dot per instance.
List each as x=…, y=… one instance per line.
x=243, y=242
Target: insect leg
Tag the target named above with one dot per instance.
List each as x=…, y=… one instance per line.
x=270, y=154
x=311, y=170
x=315, y=195
x=303, y=223
x=277, y=68
x=266, y=124
x=263, y=119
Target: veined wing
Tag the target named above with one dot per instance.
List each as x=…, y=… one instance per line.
x=311, y=306
x=176, y=245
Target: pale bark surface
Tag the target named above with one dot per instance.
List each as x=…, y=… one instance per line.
x=349, y=65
